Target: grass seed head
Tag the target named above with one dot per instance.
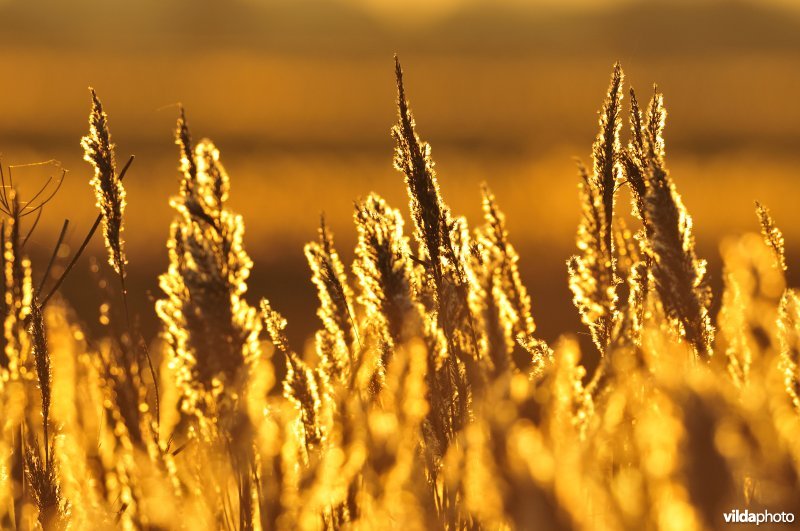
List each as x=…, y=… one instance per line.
x=108, y=189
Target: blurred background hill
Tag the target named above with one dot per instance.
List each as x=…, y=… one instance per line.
x=299, y=97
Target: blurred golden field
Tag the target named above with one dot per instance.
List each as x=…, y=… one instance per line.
x=663, y=393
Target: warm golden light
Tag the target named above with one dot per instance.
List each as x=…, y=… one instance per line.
x=386, y=298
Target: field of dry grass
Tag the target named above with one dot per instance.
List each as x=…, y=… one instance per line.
x=506, y=97
x=584, y=315
x=427, y=397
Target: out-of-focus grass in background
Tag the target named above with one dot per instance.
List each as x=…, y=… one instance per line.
x=299, y=96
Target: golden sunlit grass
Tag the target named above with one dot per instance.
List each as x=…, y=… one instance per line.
x=426, y=400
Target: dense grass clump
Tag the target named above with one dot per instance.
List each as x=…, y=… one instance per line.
x=426, y=399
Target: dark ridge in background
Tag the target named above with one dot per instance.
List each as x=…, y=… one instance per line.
x=327, y=28
x=658, y=33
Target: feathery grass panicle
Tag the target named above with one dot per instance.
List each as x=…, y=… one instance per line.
x=589, y=271
x=496, y=322
x=628, y=252
x=634, y=161
x=210, y=328
x=678, y=275
x=335, y=343
x=435, y=231
x=638, y=305
x=605, y=153
x=593, y=276
x=433, y=223
x=42, y=478
x=389, y=292
x=637, y=142
x=275, y=326
x=458, y=291
x=110, y=195
x=299, y=386
x=41, y=357
x=654, y=130
x=789, y=335
x=505, y=258
x=214, y=181
x=540, y=352
x=108, y=189
x=383, y=266
x=772, y=235
x=187, y=166
x=632, y=267
x=634, y=158
x=645, y=153
x=506, y=304
x=412, y=157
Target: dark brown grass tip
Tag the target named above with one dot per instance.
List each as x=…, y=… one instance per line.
x=42, y=479
x=406, y=120
x=41, y=356
x=183, y=138
x=98, y=146
x=637, y=138
x=772, y=235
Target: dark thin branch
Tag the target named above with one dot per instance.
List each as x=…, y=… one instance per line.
x=49, y=198
x=30, y=231
x=40, y=192
x=53, y=256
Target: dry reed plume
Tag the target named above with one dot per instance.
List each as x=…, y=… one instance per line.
x=427, y=400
